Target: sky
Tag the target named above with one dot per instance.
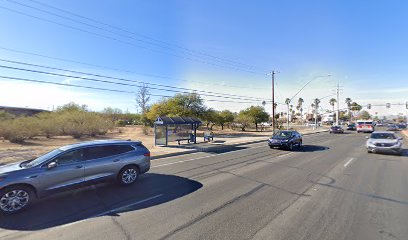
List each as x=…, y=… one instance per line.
x=216, y=46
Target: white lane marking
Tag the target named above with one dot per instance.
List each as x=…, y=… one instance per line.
x=348, y=162
x=129, y=205
x=194, y=159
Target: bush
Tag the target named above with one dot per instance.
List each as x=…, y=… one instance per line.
x=49, y=124
x=20, y=129
x=79, y=123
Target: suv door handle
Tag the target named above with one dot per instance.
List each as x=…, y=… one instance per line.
x=116, y=160
x=79, y=166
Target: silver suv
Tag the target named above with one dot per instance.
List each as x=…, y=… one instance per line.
x=384, y=142
x=69, y=167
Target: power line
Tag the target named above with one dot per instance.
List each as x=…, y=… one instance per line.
x=126, y=42
x=102, y=89
x=140, y=35
x=120, y=79
x=117, y=69
x=127, y=31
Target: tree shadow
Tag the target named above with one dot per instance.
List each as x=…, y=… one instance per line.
x=151, y=189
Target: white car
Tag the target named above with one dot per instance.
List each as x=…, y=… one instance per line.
x=384, y=142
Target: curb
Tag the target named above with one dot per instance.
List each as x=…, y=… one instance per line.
x=218, y=147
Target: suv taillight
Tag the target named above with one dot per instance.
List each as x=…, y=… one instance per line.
x=146, y=154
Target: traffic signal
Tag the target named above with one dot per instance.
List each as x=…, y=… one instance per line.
x=388, y=105
x=368, y=106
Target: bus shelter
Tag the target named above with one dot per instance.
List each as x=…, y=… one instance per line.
x=175, y=129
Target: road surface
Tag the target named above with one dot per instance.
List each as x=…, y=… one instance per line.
x=332, y=189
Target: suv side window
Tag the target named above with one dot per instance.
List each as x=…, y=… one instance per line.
x=69, y=157
x=119, y=149
x=96, y=152
x=105, y=151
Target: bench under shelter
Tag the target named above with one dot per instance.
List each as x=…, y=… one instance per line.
x=175, y=129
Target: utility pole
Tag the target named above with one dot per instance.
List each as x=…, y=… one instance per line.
x=316, y=116
x=287, y=119
x=273, y=101
x=337, y=112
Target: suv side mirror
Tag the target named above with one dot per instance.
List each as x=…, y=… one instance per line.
x=52, y=165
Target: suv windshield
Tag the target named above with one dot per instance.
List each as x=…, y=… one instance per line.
x=43, y=158
x=383, y=136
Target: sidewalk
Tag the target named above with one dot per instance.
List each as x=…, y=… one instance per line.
x=220, y=143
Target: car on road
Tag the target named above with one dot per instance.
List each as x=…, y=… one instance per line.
x=351, y=126
x=385, y=141
x=336, y=129
x=392, y=127
x=366, y=126
x=286, y=139
x=70, y=167
x=402, y=126
x=379, y=124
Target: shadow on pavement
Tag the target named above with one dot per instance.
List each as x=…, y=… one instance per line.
x=150, y=190
x=312, y=148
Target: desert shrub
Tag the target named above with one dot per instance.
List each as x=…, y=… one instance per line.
x=49, y=124
x=5, y=115
x=80, y=123
x=19, y=129
x=121, y=123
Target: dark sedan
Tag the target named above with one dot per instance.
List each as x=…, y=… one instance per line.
x=285, y=139
x=392, y=127
x=351, y=126
x=336, y=129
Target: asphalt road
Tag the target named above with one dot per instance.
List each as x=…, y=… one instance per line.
x=331, y=189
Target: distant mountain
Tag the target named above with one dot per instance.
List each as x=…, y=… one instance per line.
x=18, y=111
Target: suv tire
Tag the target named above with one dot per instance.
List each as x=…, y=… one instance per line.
x=128, y=175
x=16, y=198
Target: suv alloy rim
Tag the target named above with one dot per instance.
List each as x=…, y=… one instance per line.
x=14, y=200
x=129, y=175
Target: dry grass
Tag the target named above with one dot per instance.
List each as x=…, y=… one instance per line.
x=12, y=152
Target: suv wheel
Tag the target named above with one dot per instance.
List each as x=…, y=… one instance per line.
x=15, y=198
x=128, y=175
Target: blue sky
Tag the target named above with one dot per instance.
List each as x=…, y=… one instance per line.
x=361, y=44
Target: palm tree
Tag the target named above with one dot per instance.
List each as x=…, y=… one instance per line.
x=332, y=102
x=300, y=103
x=287, y=102
x=348, y=102
x=316, y=103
